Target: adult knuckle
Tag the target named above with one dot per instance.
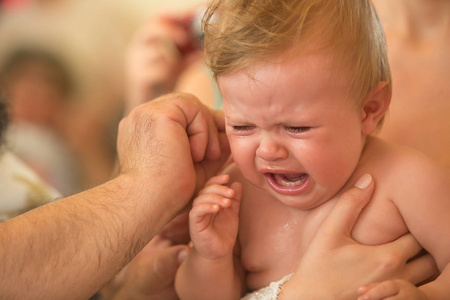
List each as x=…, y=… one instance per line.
x=390, y=263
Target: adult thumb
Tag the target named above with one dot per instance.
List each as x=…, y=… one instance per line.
x=164, y=266
x=339, y=223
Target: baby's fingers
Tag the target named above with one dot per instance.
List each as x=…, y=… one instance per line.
x=218, y=179
x=221, y=190
x=201, y=216
x=212, y=199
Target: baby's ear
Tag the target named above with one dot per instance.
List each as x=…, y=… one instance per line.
x=375, y=106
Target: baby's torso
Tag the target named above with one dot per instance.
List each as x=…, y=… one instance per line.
x=274, y=237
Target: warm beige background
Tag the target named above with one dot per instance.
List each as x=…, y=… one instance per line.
x=146, y=7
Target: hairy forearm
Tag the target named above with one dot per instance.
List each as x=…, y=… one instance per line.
x=200, y=278
x=70, y=248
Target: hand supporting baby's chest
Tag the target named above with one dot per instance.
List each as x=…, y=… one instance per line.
x=273, y=241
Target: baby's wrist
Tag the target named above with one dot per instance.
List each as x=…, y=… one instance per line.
x=212, y=258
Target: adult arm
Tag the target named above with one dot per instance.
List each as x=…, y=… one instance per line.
x=335, y=265
x=69, y=249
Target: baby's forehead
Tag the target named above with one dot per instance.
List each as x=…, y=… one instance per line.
x=290, y=62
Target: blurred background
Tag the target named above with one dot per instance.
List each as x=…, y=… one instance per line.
x=63, y=72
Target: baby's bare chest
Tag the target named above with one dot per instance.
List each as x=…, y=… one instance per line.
x=274, y=239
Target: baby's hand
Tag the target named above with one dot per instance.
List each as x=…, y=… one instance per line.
x=392, y=290
x=214, y=218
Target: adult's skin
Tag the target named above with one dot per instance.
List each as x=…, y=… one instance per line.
x=151, y=273
x=334, y=267
x=163, y=57
x=418, y=40
x=69, y=249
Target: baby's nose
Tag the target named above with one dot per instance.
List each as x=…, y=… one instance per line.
x=270, y=150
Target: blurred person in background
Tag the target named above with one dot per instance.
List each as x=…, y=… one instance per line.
x=38, y=87
x=418, y=35
x=166, y=55
x=62, y=73
x=89, y=39
x=20, y=187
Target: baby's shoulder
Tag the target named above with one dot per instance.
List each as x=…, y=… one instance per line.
x=390, y=159
x=401, y=169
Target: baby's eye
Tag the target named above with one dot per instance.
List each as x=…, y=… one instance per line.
x=241, y=128
x=298, y=129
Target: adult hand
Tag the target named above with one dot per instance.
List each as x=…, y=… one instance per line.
x=165, y=149
x=335, y=265
x=150, y=275
x=157, y=55
x=177, y=231
x=170, y=146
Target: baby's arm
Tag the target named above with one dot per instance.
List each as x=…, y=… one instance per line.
x=209, y=271
x=424, y=203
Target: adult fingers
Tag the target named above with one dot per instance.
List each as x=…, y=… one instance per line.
x=203, y=133
x=196, y=119
x=420, y=270
x=218, y=120
x=343, y=216
x=407, y=246
x=162, y=268
x=380, y=291
x=407, y=250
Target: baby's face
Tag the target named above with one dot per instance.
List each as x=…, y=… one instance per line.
x=292, y=129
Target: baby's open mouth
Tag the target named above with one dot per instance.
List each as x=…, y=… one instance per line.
x=289, y=179
x=289, y=184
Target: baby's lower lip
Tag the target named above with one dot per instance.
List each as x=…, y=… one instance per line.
x=288, y=184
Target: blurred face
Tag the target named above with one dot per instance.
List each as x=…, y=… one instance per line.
x=3, y=118
x=34, y=99
x=292, y=129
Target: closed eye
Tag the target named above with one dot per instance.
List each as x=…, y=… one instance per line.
x=301, y=129
x=241, y=128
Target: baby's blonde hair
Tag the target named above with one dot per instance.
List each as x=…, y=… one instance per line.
x=241, y=32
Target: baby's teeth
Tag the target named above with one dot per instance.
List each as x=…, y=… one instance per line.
x=291, y=183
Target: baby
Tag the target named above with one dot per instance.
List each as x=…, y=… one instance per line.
x=305, y=83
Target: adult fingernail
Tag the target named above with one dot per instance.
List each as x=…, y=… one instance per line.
x=364, y=181
x=182, y=256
